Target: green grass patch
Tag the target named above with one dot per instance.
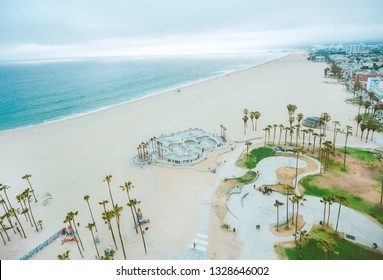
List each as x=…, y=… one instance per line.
x=247, y=178
x=339, y=249
x=254, y=157
x=363, y=154
x=352, y=201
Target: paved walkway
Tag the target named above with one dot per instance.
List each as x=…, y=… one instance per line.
x=249, y=207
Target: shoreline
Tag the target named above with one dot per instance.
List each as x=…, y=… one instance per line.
x=155, y=93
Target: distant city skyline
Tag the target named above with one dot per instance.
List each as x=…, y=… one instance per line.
x=59, y=29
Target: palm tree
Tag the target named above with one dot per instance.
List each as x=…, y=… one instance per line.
x=289, y=190
x=330, y=200
x=26, y=177
x=336, y=130
x=23, y=210
x=327, y=246
x=117, y=214
x=325, y=118
x=291, y=109
x=127, y=187
x=298, y=199
x=315, y=136
x=245, y=119
x=133, y=203
x=277, y=204
x=310, y=131
x=293, y=201
x=12, y=212
x=64, y=256
x=324, y=201
x=341, y=200
x=304, y=131
x=363, y=127
x=252, y=116
x=265, y=130
x=286, y=129
x=7, y=213
x=28, y=196
x=291, y=120
x=108, y=255
x=367, y=105
x=72, y=215
x=68, y=219
x=297, y=134
x=297, y=151
x=248, y=145
x=4, y=229
x=327, y=150
x=107, y=216
x=300, y=117
x=23, y=200
x=358, y=119
x=275, y=127
x=281, y=126
x=86, y=198
x=348, y=133
x=90, y=227
x=4, y=189
x=268, y=132
x=108, y=179
x=257, y=115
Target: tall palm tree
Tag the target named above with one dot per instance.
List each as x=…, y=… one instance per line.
x=68, y=219
x=26, y=177
x=108, y=179
x=310, y=131
x=13, y=212
x=336, y=130
x=127, y=187
x=7, y=214
x=297, y=152
x=4, y=188
x=107, y=216
x=25, y=210
x=324, y=201
x=257, y=115
x=363, y=127
x=297, y=127
x=366, y=105
x=277, y=204
x=300, y=117
x=245, y=119
x=298, y=199
x=133, y=203
x=304, y=131
x=289, y=191
x=358, y=119
x=348, y=133
x=90, y=227
x=291, y=109
x=72, y=215
x=330, y=200
x=281, y=126
x=86, y=198
x=252, y=116
x=286, y=129
x=248, y=145
x=275, y=127
x=64, y=256
x=291, y=120
x=341, y=200
x=293, y=201
x=28, y=196
x=325, y=118
x=268, y=131
x=265, y=130
x=4, y=229
x=117, y=214
x=327, y=150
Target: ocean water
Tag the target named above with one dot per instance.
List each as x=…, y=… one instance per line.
x=36, y=92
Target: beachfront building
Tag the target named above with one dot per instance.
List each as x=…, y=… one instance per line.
x=313, y=122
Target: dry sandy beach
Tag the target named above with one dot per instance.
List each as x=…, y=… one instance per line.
x=69, y=159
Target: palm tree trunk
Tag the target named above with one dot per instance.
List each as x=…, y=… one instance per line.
x=337, y=219
x=95, y=244
x=119, y=233
x=296, y=221
x=91, y=214
x=6, y=233
x=82, y=256
x=111, y=230
x=2, y=237
x=18, y=222
x=27, y=210
x=33, y=218
x=77, y=233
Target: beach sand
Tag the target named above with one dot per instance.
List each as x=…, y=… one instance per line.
x=69, y=159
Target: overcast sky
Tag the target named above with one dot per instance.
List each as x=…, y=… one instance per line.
x=76, y=28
